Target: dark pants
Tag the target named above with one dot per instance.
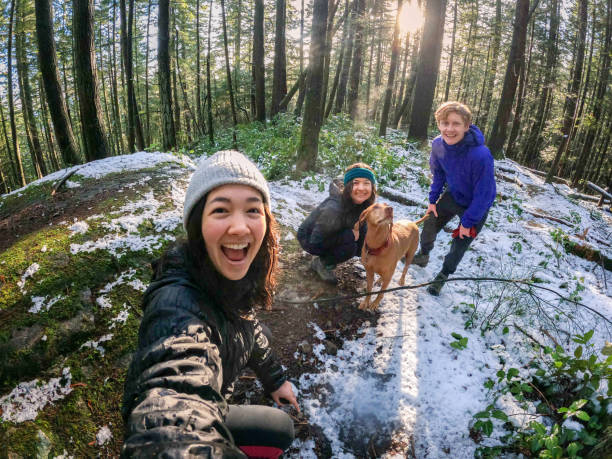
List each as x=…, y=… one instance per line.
x=447, y=208
x=336, y=248
x=260, y=426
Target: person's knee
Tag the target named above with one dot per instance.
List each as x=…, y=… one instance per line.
x=257, y=425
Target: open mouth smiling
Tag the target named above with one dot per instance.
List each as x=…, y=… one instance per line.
x=235, y=252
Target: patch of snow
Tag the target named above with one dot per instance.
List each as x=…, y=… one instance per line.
x=96, y=344
x=32, y=269
x=402, y=378
x=44, y=248
x=38, y=303
x=104, y=302
x=105, y=166
x=79, y=228
x=27, y=399
x=121, y=317
x=103, y=436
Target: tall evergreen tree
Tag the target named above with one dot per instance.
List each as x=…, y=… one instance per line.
x=163, y=63
x=259, y=68
x=516, y=59
x=94, y=138
x=427, y=71
x=279, y=78
x=311, y=126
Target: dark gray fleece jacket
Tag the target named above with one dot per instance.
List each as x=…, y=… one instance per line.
x=189, y=354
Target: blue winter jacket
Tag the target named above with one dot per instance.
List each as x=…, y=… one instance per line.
x=467, y=170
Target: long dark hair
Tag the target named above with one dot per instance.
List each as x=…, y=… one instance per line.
x=240, y=296
x=347, y=200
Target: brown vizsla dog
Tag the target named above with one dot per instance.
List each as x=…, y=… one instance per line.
x=385, y=244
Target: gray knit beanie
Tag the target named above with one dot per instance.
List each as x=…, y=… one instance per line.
x=223, y=168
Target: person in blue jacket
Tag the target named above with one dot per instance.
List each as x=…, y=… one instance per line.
x=463, y=184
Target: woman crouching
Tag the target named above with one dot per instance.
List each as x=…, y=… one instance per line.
x=199, y=332
x=328, y=232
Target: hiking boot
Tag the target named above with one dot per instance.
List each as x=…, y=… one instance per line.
x=326, y=273
x=439, y=280
x=420, y=259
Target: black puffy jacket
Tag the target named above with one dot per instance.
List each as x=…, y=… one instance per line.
x=188, y=356
x=329, y=218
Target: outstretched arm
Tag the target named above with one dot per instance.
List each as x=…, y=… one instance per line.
x=172, y=402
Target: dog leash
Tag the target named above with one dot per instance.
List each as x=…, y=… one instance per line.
x=415, y=286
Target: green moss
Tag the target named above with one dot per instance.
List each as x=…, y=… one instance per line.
x=13, y=203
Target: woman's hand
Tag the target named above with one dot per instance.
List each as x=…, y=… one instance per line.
x=432, y=208
x=285, y=392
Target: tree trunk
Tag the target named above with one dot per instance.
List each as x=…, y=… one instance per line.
x=515, y=62
x=114, y=90
x=532, y=148
x=395, y=50
x=400, y=113
x=163, y=63
x=279, y=78
x=427, y=71
x=259, y=79
x=198, y=88
x=569, y=110
x=94, y=139
x=134, y=126
x=346, y=64
x=25, y=94
x=490, y=80
x=211, y=132
x=20, y=178
x=311, y=126
x=237, y=44
x=300, y=99
x=332, y=7
x=601, y=88
x=355, y=74
x=147, y=111
x=47, y=127
x=178, y=131
x=332, y=94
x=452, y=54
x=14, y=179
x=229, y=74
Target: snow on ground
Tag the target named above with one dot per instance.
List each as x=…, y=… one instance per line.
x=28, y=398
x=401, y=376
x=102, y=167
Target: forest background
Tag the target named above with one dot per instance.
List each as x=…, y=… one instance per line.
x=84, y=80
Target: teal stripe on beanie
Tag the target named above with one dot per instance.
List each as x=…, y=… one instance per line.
x=359, y=172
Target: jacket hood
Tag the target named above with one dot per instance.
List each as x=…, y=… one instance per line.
x=170, y=268
x=336, y=187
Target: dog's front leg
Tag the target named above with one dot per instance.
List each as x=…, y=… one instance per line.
x=365, y=304
x=386, y=280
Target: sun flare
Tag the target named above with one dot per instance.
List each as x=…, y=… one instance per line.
x=411, y=17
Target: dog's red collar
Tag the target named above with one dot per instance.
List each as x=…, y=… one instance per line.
x=377, y=251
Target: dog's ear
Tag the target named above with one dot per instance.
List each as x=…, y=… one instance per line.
x=364, y=215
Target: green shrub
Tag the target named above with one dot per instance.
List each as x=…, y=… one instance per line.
x=560, y=386
x=274, y=147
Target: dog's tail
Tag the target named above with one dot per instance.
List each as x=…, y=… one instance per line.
x=422, y=219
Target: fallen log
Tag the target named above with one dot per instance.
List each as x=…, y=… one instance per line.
x=543, y=174
x=587, y=252
x=601, y=191
x=63, y=180
x=399, y=197
x=584, y=197
x=547, y=217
